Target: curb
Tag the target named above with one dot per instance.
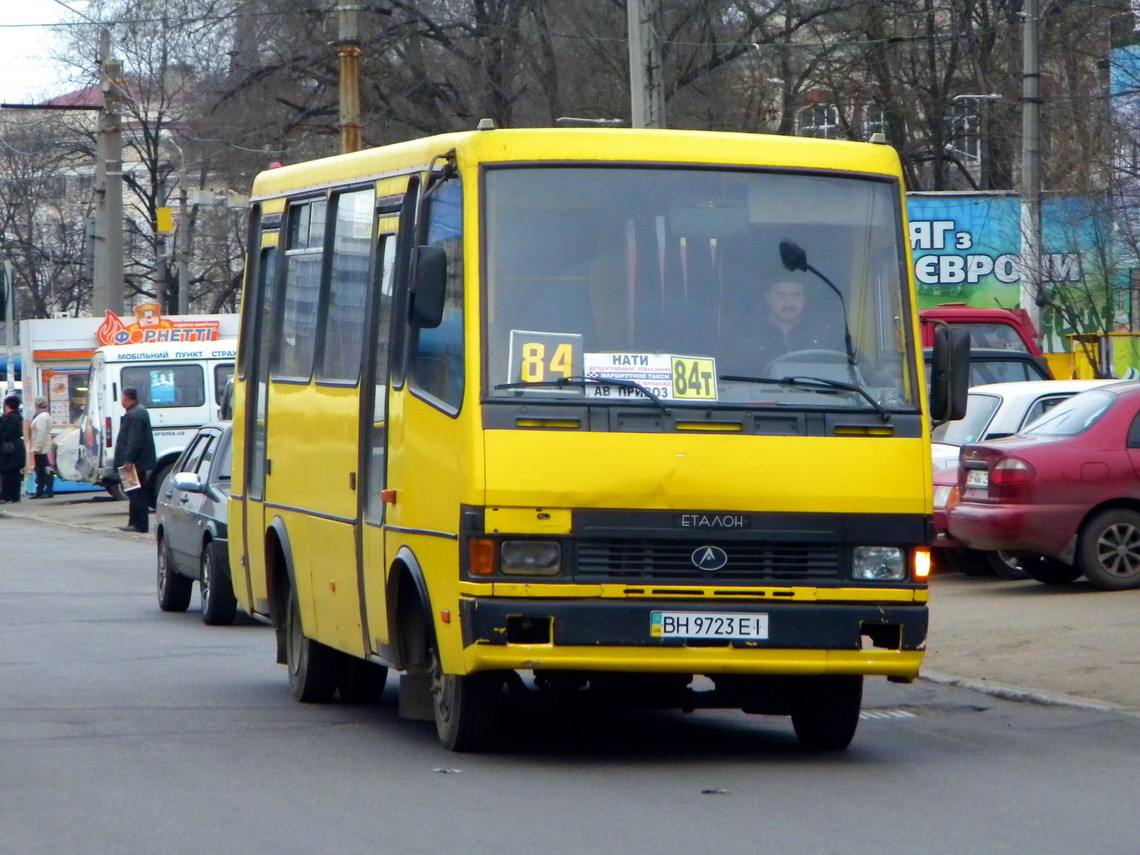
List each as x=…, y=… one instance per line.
x=81, y=526
x=1020, y=694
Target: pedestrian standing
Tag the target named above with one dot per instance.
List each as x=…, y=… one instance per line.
x=39, y=433
x=13, y=455
x=135, y=446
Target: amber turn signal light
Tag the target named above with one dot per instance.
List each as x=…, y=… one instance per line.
x=481, y=556
x=921, y=562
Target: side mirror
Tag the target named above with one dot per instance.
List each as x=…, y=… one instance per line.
x=429, y=288
x=187, y=482
x=949, y=374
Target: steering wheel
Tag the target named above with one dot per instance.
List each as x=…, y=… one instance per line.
x=822, y=356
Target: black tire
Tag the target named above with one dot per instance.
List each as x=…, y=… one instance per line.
x=1006, y=564
x=219, y=605
x=1108, y=551
x=968, y=562
x=156, y=483
x=825, y=711
x=313, y=668
x=115, y=491
x=466, y=707
x=174, y=590
x=1049, y=571
x=360, y=681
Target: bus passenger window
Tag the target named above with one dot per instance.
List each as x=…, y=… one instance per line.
x=437, y=364
x=301, y=290
x=378, y=430
x=344, y=318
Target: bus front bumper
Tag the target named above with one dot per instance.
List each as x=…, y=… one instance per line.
x=886, y=639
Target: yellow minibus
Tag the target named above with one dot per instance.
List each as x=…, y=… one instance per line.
x=632, y=414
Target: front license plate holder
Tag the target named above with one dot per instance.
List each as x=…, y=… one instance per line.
x=723, y=626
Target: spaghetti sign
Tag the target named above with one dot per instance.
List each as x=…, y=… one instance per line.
x=150, y=327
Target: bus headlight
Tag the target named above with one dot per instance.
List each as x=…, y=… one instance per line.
x=878, y=563
x=530, y=558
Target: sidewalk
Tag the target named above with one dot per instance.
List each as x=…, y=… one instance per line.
x=1022, y=640
x=91, y=510
x=1072, y=640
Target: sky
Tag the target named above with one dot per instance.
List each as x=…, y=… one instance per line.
x=27, y=72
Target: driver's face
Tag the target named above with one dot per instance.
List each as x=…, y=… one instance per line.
x=786, y=302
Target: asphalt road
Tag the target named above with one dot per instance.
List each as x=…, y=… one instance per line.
x=127, y=730
x=1071, y=644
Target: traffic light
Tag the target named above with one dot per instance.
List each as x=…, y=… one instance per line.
x=4, y=291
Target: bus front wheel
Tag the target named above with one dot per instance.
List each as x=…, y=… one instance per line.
x=466, y=707
x=312, y=666
x=825, y=711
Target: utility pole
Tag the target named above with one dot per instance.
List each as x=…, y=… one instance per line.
x=646, y=89
x=8, y=286
x=183, y=242
x=348, y=49
x=1032, y=272
x=109, y=176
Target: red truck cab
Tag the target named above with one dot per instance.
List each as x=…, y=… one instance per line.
x=999, y=329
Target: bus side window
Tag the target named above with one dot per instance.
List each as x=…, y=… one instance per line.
x=264, y=310
x=378, y=427
x=344, y=320
x=437, y=361
x=300, y=293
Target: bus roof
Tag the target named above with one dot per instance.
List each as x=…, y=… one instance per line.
x=223, y=348
x=590, y=145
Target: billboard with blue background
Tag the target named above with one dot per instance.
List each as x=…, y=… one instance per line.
x=966, y=248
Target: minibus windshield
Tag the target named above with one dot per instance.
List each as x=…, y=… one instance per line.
x=673, y=280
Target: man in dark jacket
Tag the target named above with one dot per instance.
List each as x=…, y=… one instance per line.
x=789, y=327
x=135, y=444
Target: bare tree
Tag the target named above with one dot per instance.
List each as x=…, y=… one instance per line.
x=42, y=229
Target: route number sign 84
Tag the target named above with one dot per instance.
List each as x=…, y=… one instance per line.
x=694, y=378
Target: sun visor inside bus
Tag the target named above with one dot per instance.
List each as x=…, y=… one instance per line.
x=806, y=200
x=708, y=220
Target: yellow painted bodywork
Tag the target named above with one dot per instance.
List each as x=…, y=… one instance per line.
x=548, y=521
x=720, y=593
x=698, y=660
x=709, y=472
x=530, y=480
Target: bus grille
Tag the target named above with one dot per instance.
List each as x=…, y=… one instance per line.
x=666, y=559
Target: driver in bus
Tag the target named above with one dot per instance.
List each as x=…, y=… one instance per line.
x=788, y=326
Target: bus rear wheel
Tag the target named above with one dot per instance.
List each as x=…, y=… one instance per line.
x=312, y=667
x=825, y=711
x=466, y=707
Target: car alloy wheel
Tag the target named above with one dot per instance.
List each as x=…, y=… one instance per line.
x=1109, y=550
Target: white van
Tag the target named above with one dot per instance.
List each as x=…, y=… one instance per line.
x=181, y=386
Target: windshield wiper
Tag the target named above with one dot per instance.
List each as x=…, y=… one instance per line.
x=586, y=381
x=818, y=383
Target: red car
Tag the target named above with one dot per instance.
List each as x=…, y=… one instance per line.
x=1064, y=494
x=951, y=553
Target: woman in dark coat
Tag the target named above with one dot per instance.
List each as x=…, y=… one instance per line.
x=12, y=453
